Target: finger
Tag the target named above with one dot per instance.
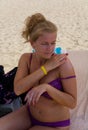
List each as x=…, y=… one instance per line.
x=63, y=58
x=34, y=98
x=38, y=96
x=62, y=62
x=26, y=97
x=37, y=99
x=31, y=97
x=58, y=57
x=67, y=54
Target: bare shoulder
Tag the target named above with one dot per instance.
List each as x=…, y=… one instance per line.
x=23, y=65
x=66, y=69
x=25, y=56
x=24, y=60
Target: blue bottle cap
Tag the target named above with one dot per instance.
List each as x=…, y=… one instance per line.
x=58, y=50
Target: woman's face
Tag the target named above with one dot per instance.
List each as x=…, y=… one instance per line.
x=44, y=46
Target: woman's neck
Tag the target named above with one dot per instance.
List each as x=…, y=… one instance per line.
x=39, y=59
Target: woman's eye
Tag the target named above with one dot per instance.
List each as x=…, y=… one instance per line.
x=53, y=43
x=44, y=44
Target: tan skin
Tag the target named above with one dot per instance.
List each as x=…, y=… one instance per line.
x=31, y=76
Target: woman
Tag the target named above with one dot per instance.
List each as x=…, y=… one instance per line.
x=47, y=78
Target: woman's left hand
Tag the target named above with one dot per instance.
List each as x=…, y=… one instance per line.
x=34, y=94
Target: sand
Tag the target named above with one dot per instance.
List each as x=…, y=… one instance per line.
x=70, y=16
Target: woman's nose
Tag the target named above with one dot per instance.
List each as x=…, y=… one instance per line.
x=49, y=46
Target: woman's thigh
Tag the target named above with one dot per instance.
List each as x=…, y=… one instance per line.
x=18, y=120
x=48, y=128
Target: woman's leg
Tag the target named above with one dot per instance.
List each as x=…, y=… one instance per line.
x=18, y=120
x=48, y=128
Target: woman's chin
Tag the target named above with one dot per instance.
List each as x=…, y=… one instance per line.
x=48, y=57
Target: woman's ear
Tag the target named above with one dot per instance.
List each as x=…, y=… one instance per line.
x=32, y=43
x=33, y=46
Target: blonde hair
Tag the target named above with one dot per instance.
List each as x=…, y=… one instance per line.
x=35, y=26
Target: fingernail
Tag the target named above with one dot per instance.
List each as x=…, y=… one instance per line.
x=67, y=54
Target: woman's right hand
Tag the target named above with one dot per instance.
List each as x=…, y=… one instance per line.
x=55, y=61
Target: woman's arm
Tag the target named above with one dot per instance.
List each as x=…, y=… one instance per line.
x=69, y=96
x=23, y=80
x=66, y=98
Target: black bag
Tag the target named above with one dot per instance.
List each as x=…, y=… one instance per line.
x=7, y=94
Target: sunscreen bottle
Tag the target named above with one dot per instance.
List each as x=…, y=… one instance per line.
x=59, y=50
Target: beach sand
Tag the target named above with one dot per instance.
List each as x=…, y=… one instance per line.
x=70, y=16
